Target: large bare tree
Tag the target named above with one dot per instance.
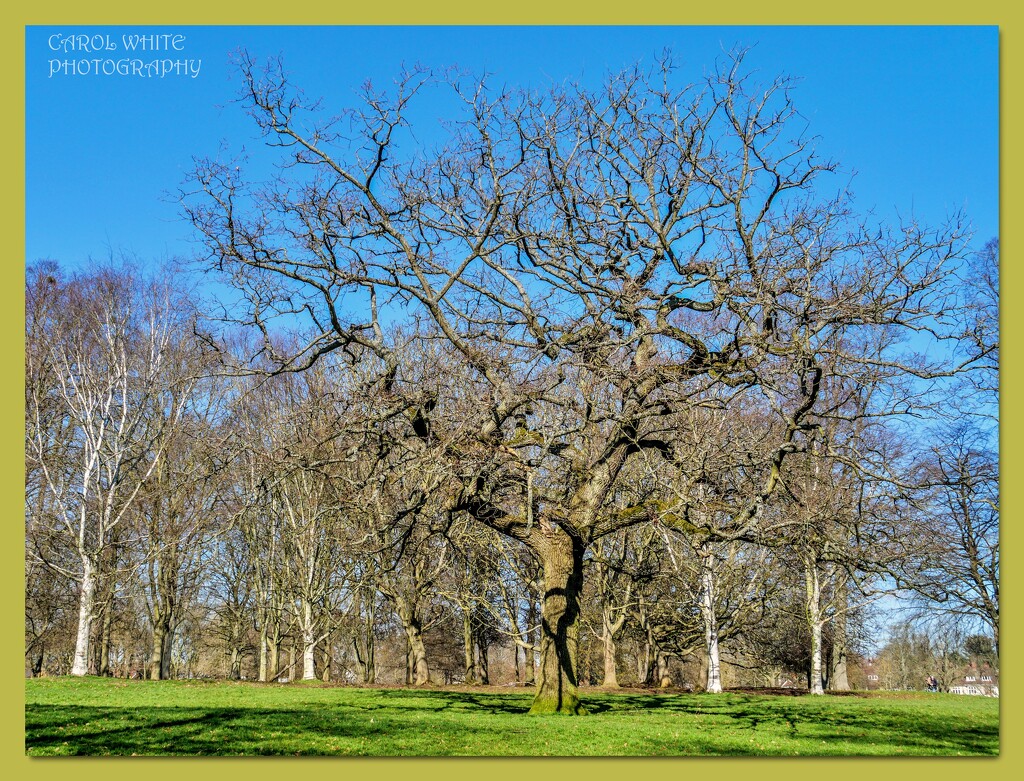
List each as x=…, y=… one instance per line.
x=596, y=261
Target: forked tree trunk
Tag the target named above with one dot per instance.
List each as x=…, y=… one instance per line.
x=610, y=628
x=418, y=670
x=367, y=666
x=558, y=684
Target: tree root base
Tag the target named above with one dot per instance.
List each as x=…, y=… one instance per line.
x=566, y=706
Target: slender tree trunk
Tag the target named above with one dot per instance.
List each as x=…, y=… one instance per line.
x=370, y=668
x=482, y=661
x=365, y=659
x=814, y=622
x=325, y=659
x=308, y=643
x=467, y=646
x=37, y=662
x=558, y=687
x=839, y=678
x=645, y=661
x=106, y=628
x=235, y=671
x=713, y=683
x=157, y=654
x=264, y=649
x=611, y=680
x=408, y=661
x=530, y=650
x=86, y=609
x=274, y=664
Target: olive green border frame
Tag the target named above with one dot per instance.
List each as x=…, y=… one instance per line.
x=603, y=12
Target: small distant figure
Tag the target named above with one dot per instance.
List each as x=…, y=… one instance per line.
x=933, y=685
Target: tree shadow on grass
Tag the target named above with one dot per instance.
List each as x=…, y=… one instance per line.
x=80, y=730
x=409, y=722
x=825, y=719
x=484, y=702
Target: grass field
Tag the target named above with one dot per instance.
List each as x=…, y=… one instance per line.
x=96, y=716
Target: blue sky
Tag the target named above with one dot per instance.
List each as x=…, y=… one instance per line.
x=912, y=110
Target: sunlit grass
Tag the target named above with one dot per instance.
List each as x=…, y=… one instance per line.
x=94, y=716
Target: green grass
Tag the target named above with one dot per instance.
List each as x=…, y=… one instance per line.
x=94, y=716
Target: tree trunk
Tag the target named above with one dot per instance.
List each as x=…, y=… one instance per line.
x=308, y=643
x=707, y=609
x=325, y=657
x=661, y=668
x=160, y=659
x=105, y=635
x=156, y=656
x=274, y=663
x=530, y=650
x=86, y=607
x=370, y=665
x=367, y=666
x=467, y=646
x=558, y=687
x=814, y=622
x=235, y=673
x=611, y=680
x=264, y=649
x=417, y=656
x=417, y=671
x=839, y=678
x=37, y=662
x=165, y=670
x=482, y=661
